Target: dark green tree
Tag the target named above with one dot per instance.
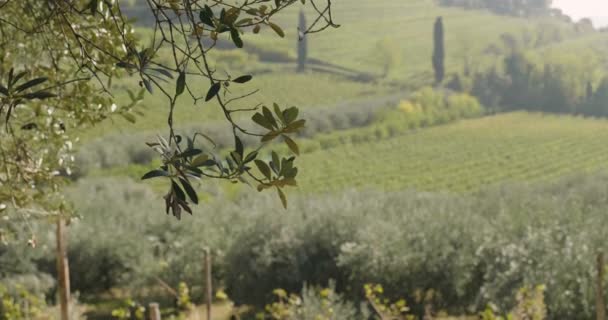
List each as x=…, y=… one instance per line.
x=455, y=83
x=438, y=51
x=598, y=105
x=589, y=91
x=302, y=43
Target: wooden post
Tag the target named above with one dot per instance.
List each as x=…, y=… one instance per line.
x=600, y=302
x=208, y=284
x=154, y=311
x=63, y=270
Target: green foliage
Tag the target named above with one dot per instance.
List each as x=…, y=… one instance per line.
x=530, y=306
x=130, y=310
x=184, y=302
x=312, y=304
x=383, y=307
x=472, y=249
x=20, y=304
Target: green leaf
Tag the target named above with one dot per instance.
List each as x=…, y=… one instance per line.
x=93, y=7
x=178, y=191
x=278, y=112
x=236, y=37
x=189, y=190
x=263, y=167
x=275, y=164
x=3, y=90
x=164, y=72
x=190, y=153
x=282, y=196
x=129, y=117
x=209, y=163
x=147, y=85
x=236, y=157
x=290, y=114
x=206, y=16
x=269, y=117
x=30, y=84
x=295, y=126
x=238, y=146
x=292, y=145
x=154, y=174
x=262, y=121
x=181, y=83
x=270, y=136
x=213, y=91
x=39, y=95
x=29, y=126
x=250, y=157
x=243, y=79
x=200, y=160
x=231, y=15
x=277, y=29
x=126, y=65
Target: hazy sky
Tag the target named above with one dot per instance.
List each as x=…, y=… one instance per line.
x=596, y=9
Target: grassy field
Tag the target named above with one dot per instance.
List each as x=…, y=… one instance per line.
x=464, y=156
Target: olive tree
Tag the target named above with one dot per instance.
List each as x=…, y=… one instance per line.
x=58, y=61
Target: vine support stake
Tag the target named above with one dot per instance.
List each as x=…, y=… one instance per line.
x=208, y=284
x=154, y=311
x=63, y=270
x=600, y=302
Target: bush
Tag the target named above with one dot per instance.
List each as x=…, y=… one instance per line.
x=471, y=249
x=428, y=107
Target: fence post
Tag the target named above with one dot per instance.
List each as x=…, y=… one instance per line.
x=63, y=270
x=600, y=302
x=208, y=284
x=154, y=311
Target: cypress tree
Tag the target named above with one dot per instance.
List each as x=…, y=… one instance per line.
x=302, y=43
x=589, y=91
x=438, y=51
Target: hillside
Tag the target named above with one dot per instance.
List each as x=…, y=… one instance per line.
x=464, y=156
x=348, y=63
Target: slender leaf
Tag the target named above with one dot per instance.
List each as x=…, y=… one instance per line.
x=181, y=83
x=277, y=29
x=292, y=145
x=263, y=167
x=154, y=174
x=30, y=84
x=243, y=79
x=262, y=121
x=178, y=191
x=213, y=91
x=236, y=37
x=239, y=146
x=189, y=190
x=190, y=153
x=282, y=196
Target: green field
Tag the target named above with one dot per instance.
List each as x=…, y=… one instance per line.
x=464, y=156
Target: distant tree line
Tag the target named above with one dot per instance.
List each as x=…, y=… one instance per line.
x=521, y=84
x=520, y=8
